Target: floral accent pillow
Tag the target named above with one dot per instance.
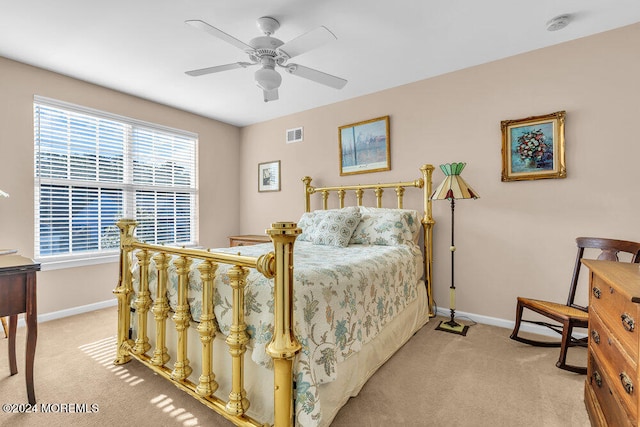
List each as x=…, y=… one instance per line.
x=335, y=227
x=386, y=227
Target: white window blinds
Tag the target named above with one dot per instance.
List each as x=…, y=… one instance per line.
x=93, y=168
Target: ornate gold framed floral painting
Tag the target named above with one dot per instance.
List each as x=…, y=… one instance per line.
x=533, y=148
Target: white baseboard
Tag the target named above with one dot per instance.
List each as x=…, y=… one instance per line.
x=503, y=323
x=440, y=311
x=45, y=317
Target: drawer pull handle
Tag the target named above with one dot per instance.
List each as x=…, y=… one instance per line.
x=626, y=383
x=595, y=336
x=628, y=322
x=597, y=378
x=596, y=292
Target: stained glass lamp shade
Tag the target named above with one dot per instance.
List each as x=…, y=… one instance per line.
x=453, y=186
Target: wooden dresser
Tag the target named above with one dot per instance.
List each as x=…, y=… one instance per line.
x=248, y=239
x=612, y=387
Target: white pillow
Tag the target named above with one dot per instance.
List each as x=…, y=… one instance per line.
x=335, y=227
x=307, y=225
x=387, y=227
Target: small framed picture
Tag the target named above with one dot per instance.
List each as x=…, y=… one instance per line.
x=364, y=146
x=533, y=148
x=269, y=176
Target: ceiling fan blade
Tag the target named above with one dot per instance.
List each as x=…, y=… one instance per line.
x=306, y=42
x=270, y=95
x=218, y=68
x=201, y=25
x=316, y=76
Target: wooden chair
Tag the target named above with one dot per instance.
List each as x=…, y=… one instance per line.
x=571, y=315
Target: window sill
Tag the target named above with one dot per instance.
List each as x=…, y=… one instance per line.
x=47, y=264
x=60, y=262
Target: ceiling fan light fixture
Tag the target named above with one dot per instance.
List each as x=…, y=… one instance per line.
x=270, y=52
x=267, y=78
x=268, y=25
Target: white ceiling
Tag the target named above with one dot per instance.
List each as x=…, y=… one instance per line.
x=143, y=47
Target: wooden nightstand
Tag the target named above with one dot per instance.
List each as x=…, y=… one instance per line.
x=248, y=239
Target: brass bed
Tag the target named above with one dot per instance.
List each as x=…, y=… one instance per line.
x=196, y=347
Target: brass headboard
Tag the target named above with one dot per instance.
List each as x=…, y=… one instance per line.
x=425, y=183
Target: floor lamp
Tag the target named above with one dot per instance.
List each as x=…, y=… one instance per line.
x=453, y=187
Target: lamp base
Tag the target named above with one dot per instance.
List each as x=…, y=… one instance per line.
x=453, y=327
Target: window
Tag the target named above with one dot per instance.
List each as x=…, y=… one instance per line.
x=93, y=168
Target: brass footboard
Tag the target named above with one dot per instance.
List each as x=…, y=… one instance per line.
x=282, y=348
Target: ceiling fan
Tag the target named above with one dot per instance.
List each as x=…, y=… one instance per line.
x=270, y=52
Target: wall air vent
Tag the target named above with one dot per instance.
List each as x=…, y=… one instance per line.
x=294, y=135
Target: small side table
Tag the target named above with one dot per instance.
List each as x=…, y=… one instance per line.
x=248, y=239
x=3, y=319
x=18, y=295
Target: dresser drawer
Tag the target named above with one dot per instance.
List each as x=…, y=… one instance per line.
x=620, y=370
x=614, y=413
x=617, y=312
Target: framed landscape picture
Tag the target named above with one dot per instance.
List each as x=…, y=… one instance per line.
x=533, y=148
x=269, y=176
x=364, y=146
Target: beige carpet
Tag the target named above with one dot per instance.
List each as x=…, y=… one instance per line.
x=436, y=379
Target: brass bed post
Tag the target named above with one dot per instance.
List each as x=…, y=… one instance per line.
x=283, y=346
x=237, y=342
x=427, y=226
x=207, y=330
x=124, y=289
x=182, y=318
x=142, y=304
x=307, y=193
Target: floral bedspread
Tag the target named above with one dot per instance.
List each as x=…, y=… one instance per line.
x=343, y=298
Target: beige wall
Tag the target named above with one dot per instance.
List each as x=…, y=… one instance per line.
x=518, y=238
x=68, y=288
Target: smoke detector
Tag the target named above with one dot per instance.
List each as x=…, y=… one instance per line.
x=558, y=23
